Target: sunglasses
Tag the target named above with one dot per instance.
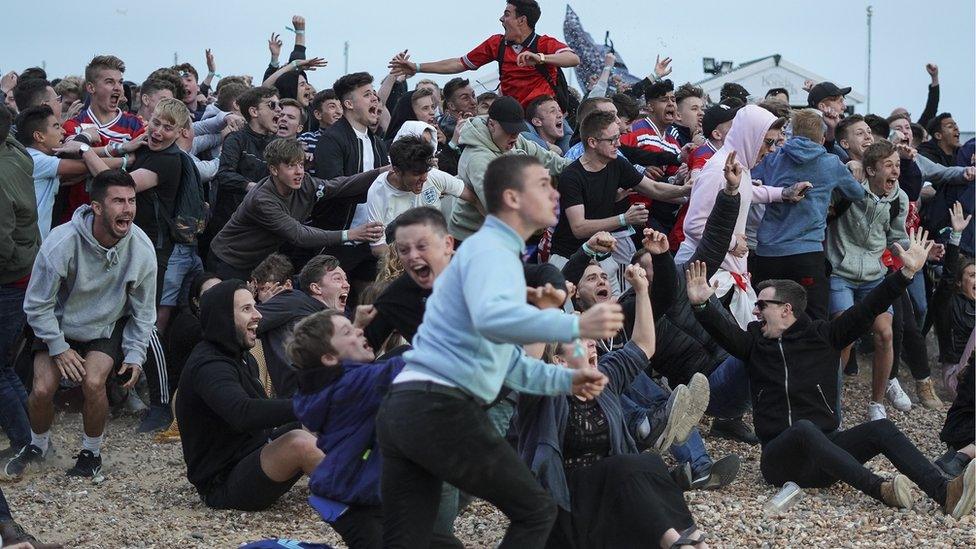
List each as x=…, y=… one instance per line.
x=761, y=304
x=769, y=142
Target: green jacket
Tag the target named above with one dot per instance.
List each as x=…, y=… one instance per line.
x=19, y=238
x=856, y=239
x=478, y=151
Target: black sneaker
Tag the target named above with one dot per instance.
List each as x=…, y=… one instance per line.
x=953, y=463
x=15, y=468
x=719, y=475
x=88, y=465
x=681, y=474
x=733, y=429
x=850, y=369
x=158, y=417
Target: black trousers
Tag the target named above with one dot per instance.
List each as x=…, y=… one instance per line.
x=224, y=270
x=361, y=527
x=813, y=459
x=907, y=340
x=427, y=438
x=958, y=429
x=808, y=270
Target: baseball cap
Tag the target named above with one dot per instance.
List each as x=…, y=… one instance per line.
x=824, y=90
x=731, y=89
x=717, y=114
x=508, y=113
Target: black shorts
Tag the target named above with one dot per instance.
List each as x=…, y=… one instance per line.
x=246, y=487
x=112, y=346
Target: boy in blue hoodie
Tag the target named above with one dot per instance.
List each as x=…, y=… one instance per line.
x=339, y=392
x=790, y=237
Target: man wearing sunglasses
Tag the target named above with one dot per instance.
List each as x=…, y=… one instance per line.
x=793, y=378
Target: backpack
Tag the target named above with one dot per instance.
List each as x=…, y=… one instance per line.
x=191, y=210
x=560, y=88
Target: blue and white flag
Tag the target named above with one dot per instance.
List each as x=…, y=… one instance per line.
x=590, y=53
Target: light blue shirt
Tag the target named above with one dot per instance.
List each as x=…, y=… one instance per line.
x=46, y=184
x=477, y=318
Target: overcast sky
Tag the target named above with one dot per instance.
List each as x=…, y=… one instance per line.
x=828, y=37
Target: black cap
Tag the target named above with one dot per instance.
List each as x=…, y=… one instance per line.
x=824, y=90
x=731, y=89
x=508, y=113
x=717, y=114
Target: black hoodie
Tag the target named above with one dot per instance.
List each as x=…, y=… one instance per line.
x=278, y=318
x=221, y=406
x=403, y=112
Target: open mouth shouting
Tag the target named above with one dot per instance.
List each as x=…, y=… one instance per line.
x=602, y=295
x=341, y=301
x=422, y=275
x=123, y=224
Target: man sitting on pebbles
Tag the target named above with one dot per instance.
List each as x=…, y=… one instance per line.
x=242, y=450
x=793, y=378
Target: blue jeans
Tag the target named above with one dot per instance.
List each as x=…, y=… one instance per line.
x=639, y=402
x=13, y=396
x=729, y=386
x=183, y=263
x=916, y=290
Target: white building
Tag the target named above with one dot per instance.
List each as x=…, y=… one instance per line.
x=759, y=75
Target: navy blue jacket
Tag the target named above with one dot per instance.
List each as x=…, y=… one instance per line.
x=339, y=405
x=541, y=422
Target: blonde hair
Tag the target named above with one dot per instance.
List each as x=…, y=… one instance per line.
x=390, y=266
x=174, y=111
x=70, y=84
x=809, y=123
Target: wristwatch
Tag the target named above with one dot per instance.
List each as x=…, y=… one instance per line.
x=84, y=148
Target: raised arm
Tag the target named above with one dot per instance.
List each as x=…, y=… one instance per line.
x=728, y=334
x=932, y=102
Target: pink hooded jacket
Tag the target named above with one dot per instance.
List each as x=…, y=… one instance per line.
x=746, y=136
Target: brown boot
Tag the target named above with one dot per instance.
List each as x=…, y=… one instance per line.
x=925, y=391
x=897, y=492
x=11, y=533
x=961, y=493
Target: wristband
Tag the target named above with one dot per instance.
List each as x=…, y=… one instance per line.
x=108, y=151
x=125, y=162
x=345, y=236
x=294, y=65
x=588, y=250
x=296, y=31
x=542, y=58
x=211, y=74
x=955, y=238
x=416, y=67
x=274, y=64
x=700, y=306
x=622, y=219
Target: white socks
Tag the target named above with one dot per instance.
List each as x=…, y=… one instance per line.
x=41, y=440
x=92, y=444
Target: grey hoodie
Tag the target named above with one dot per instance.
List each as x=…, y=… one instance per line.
x=79, y=289
x=479, y=151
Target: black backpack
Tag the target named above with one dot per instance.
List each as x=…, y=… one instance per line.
x=191, y=211
x=560, y=88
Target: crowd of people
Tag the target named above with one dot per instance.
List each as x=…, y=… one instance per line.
x=415, y=297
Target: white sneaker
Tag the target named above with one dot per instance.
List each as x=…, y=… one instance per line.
x=134, y=404
x=897, y=397
x=876, y=411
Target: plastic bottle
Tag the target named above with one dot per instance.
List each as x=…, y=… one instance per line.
x=787, y=497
